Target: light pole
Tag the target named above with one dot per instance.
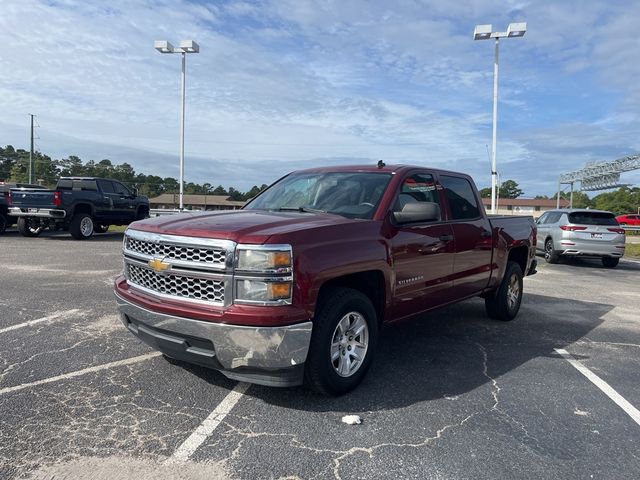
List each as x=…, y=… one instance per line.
x=186, y=46
x=483, y=32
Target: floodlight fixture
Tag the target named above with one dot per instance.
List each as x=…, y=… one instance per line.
x=517, y=29
x=482, y=32
x=189, y=46
x=163, y=46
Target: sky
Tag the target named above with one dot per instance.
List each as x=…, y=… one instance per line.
x=289, y=84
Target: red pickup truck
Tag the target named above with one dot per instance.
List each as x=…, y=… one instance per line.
x=294, y=287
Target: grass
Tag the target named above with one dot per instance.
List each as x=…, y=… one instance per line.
x=117, y=228
x=632, y=250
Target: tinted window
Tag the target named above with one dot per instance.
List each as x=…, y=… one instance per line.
x=106, y=186
x=543, y=219
x=592, y=218
x=121, y=189
x=461, y=196
x=64, y=184
x=553, y=217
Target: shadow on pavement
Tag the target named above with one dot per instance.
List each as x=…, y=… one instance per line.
x=447, y=352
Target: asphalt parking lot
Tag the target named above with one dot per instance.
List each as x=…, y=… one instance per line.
x=451, y=395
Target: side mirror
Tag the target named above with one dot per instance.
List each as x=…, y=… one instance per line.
x=418, y=212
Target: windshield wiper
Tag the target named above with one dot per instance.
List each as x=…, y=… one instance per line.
x=301, y=209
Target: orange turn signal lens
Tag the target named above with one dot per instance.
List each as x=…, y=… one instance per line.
x=280, y=290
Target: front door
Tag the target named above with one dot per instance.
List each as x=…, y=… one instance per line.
x=422, y=253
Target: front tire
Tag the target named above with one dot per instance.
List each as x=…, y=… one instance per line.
x=29, y=227
x=550, y=255
x=610, y=262
x=81, y=226
x=345, y=334
x=504, y=304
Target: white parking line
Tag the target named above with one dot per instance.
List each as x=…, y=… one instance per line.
x=602, y=385
x=78, y=373
x=206, y=428
x=48, y=318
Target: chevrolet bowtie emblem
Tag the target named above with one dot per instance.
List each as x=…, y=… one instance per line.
x=159, y=266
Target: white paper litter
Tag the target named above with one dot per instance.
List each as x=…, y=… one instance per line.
x=352, y=419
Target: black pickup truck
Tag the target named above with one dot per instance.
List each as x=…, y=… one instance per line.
x=5, y=188
x=83, y=205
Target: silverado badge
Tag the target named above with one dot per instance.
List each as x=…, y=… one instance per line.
x=159, y=266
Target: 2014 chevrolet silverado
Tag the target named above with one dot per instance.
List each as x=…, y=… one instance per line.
x=294, y=287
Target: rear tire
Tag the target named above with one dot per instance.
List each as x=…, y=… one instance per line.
x=550, y=255
x=81, y=226
x=504, y=304
x=610, y=262
x=29, y=227
x=345, y=334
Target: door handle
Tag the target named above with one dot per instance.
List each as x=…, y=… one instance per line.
x=446, y=238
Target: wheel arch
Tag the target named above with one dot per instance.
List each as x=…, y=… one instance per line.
x=82, y=208
x=370, y=283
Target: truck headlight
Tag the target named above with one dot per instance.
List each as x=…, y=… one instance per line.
x=263, y=274
x=262, y=291
x=275, y=259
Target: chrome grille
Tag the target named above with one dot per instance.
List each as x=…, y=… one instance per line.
x=203, y=289
x=207, y=255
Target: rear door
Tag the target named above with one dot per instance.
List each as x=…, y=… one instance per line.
x=472, y=261
x=422, y=253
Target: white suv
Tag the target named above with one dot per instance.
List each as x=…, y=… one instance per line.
x=579, y=232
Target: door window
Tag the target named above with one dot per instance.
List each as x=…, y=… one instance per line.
x=461, y=196
x=419, y=187
x=121, y=189
x=106, y=186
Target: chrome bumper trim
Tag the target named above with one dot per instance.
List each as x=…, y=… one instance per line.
x=268, y=348
x=42, y=212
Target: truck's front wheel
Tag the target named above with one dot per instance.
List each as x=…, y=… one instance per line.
x=504, y=304
x=345, y=334
x=81, y=226
x=30, y=227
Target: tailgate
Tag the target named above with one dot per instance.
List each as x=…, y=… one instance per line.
x=35, y=199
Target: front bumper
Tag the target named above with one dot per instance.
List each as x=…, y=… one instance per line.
x=272, y=356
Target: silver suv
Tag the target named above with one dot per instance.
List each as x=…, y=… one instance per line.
x=585, y=233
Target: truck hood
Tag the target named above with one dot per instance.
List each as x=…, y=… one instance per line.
x=242, y=226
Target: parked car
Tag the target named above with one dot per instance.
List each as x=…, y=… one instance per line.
x=294, y=287
x=629, y=219
x=82, y=205
x=580, y=233
x=5, y=187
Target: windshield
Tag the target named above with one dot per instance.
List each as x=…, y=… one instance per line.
x=350, y=194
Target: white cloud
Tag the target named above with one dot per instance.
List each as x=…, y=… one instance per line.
x=292, y=83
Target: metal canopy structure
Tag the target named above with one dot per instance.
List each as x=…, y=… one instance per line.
x=599, y=175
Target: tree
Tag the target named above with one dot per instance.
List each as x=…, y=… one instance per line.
x=235, y=195
x=509, y=189
x=219, y=190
